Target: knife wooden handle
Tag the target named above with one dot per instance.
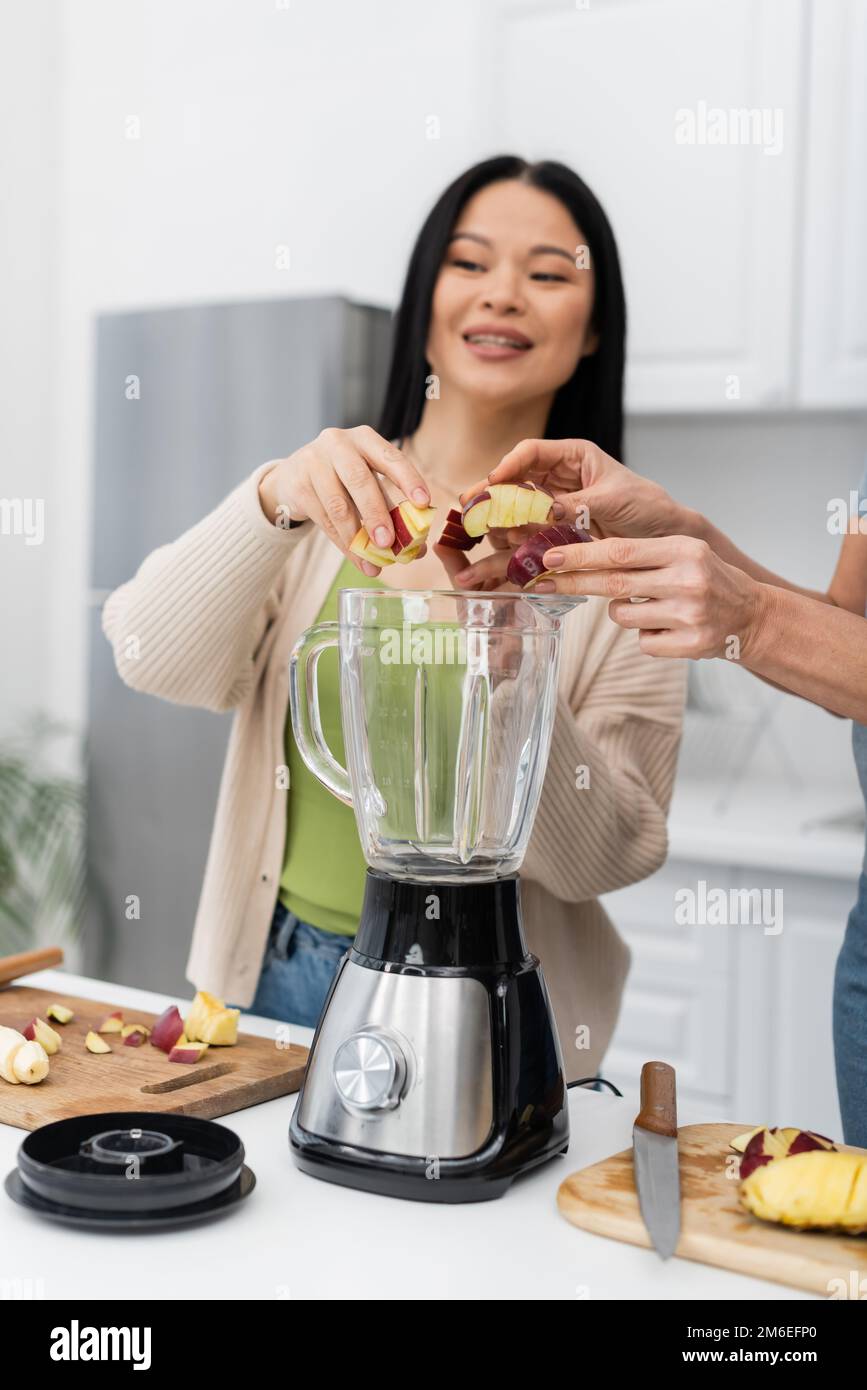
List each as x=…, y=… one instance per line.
x=658, y=1112
x=11, y=967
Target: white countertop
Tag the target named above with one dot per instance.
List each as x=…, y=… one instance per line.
x=298, y=1238
x=766, y=826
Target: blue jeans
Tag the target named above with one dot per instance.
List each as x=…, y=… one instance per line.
x=299, y=964
x=850, y=1022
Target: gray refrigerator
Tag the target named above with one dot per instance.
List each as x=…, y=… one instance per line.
x=188, y=402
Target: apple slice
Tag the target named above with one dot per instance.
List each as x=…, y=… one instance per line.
x=411, y=527
x=209, y=1021
x=540, y=505
x=454, y=537
x=38, y=1030
x=505, y=505
x=523, y=504
x=188, y=1052
x=94, y=1043
x=526, y=563
x=168, y=1028
x=362, y=545
x=135, y=1037
x=112, y=1024
x=503, y=499
x=475, y=514
x=740, y=1141
x=59, y=1013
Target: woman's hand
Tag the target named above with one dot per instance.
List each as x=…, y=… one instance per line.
x=333, y=481
x=606, y=497
x=695, y=605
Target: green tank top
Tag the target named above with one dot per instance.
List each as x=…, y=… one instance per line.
x=323, y=867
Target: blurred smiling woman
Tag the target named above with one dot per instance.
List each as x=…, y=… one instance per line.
x=506, y=330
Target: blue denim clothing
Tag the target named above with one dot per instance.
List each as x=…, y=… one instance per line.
x=298, y=966
x=850, y=994
x=850, y=982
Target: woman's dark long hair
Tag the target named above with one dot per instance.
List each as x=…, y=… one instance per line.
x=590, y=404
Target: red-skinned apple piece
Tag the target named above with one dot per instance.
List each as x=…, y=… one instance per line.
x=526, y=563
x=37, y=1030
x=167, y=1029
x=411, y=527
x=188, y=1052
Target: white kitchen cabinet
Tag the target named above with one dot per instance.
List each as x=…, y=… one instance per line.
x=833, y=358
x=743, y=1014
x=707, y=232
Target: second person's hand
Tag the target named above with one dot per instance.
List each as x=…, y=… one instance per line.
x=591, y=486
x=694, y=604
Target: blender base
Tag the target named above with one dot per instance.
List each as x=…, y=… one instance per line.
x=475, y=1179
x=435, y=1073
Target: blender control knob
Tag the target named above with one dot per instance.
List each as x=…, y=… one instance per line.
x=369, y=1070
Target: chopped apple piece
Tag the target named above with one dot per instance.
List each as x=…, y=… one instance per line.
x=362, y=545
x=475, y=514
x=209, y=1021
x=59, y=1013
x=503, y=499
x=523, y=504
x=39, y=1031
x=129, y=1028
x=526, y=563
x=188, y=1052
x=94, y=1043
x=740, y=1141
x=112, y=1024
x=411, y=526
x=504, y=505
x=168, y=1029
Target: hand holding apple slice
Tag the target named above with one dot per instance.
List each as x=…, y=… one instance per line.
x=411, y=527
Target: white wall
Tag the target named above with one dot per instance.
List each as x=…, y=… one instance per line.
x=30, y=248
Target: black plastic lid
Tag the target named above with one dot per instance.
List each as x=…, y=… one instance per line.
x=130, y=1161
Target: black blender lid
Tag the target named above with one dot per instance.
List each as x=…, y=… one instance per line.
x=131, y=1170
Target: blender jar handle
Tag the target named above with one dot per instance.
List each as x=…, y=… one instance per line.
x=304, y=705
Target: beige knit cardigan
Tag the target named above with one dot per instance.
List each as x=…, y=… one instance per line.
x=209, y=620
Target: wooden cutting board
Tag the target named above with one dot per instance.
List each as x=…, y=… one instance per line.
x=138, y=1078
x=715, y=1229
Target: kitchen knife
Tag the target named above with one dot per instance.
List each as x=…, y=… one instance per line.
x=654, y=1152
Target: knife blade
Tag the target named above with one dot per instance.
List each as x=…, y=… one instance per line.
x=654, y=1154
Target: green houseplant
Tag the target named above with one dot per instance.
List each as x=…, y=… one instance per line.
x=41, y=842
